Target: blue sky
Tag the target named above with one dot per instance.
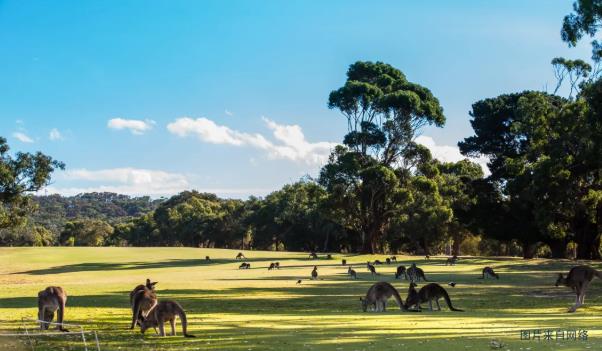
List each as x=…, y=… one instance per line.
x=153, y=97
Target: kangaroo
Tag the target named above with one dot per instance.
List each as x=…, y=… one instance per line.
x=427, y=257
x=388, y=260
x=272, y=266
x=50, y=300
x=352, y=273
x=412, y=298
x=377, y=262
x=142, y=301
x=488, y=272
x=377, y=297
x=429, y=293
x=451, y=261
x=416, y=274
x=240, y=256
x=393, y=259
x=162, y=312
x=343, y=262
x=277, y=265
x=244, y=265
x=401, y=271
x=578, y=280
x=314, y=273
x=371, y=269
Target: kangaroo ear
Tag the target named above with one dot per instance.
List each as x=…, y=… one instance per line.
x=153, y=283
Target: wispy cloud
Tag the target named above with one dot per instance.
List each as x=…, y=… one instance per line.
x=447, y=153
x=22, y=137
x=290, y=141
x=228, y=113
x=55, y=135
x=135, y=126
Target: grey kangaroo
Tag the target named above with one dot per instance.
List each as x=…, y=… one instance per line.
x=578, y=280
x=488, y=272
x=351, y=273
x=50, y=300
x=314, y=273
x=429, y=293
x=166, y=311
x=416, y=274
x=377, y=297
x=142, y=299
x=401, y=272
x=371, y=268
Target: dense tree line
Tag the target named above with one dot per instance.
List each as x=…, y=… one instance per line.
x=379, y=191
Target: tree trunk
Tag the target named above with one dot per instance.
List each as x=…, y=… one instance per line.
x=587, y=239
x=456, y=247
x=558, y=248
x=529, y=250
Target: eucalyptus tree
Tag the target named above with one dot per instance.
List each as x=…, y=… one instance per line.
x=384, y=111
x=20, y=176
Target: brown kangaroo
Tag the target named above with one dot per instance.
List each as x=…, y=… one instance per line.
x=488, y=272
x=314, y=273
x=371, y=268
x=377, y=297
x=166, y=311
x=50, y=300
x=352, y=273
x=142, y=299
x=416, y=274
x=401, y=272
x=240, y=256
x=429, y=293
x=578, y=280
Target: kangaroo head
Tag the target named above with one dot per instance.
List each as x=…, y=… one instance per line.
x=560, y=280
x=150, y=285
x=144, y=325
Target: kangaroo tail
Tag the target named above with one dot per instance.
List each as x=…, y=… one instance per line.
x=135, y=312
x=399, y=301
x=184, y=321
x=449, y=303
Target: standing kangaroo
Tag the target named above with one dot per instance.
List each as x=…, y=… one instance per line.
x=162, y=312
x=50, y=300
x=142, y=299
x=401, y=271
x=377, y=296
x=429, y=293
x=488, y=272
x=416, y=274
x=352, y=273
x=578, y=280
x=371, y=269
x=314, y=273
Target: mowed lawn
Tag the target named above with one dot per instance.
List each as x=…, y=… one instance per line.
x=257, y=309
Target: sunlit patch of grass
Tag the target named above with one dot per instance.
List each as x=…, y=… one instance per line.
x=257, y=309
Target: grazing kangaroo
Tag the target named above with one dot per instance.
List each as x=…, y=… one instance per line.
x=388, y=260
x=244, y=265
x=416, y=274
x=162, y=312
x=314, y=273
x=451, y=261
x=352, y=273
x=371, y=269
x=401, y=271
x=429, y=293
x=393, y=259
x=240, y=256
x=377, y=296
x=488, y=272
x=142, y=299
x=412, y=298
x=578, y=280
x=272, y=266
x=277, y=265
x=377, y=262
x=50, y=300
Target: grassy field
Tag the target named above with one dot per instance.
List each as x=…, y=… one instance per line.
x=257, y=309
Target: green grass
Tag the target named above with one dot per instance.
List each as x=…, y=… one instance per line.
x=257, y=309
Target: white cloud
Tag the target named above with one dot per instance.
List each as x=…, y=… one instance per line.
x=128, y=181
x=55, y=135
x=22, y=137
x=229, y=113
x=448, y=153
x=291, y=145
x=135, y=126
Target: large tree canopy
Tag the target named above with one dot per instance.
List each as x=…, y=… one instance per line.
x=21, y=174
